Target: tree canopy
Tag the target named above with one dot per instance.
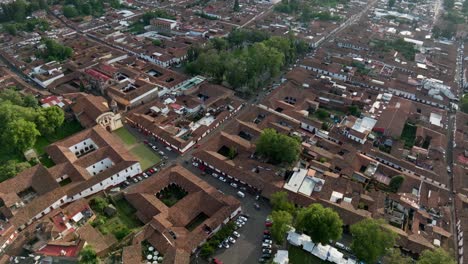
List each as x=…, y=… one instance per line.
x=245, y=60
x=18, y=10
x=23, y=121
x=277, y=147
x=394, y=256
x=55, y=51
x=88, y=256
x=371, y=240
x=396, y=182
x=321, y=224
x=282, y=221
x=279, y=201
x=435, y=256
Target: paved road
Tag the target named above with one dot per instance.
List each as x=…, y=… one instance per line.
x=247, y=248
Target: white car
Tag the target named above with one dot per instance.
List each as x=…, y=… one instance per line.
x=215, y=175
x=222, y=179
x=240, y=223
x=236, y=234
x=265, y=245
x=161, y=153
x=168, y=148
x=267, y=241
x=231, y=239
x=195, y=164
x=244, y=219
x=234, y=185
x=154, y=148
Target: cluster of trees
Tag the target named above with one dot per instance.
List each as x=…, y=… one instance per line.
x=23, y=121
x=55, y=51
x=29, y=25
x=209, y=248
x=307, y=15
x=77, y=8
x=406, y=49
x=18, y=10
x=245, y=60
x=138, y=27
x=278, y=148
x=305, y=9
x=321, y=224
x=372, y=241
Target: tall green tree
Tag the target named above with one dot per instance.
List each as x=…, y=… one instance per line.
x=20, y=134
x=435, y=256
x=320, y=223
x=282, y=221
x=394, y=256
x=88, y=256
x=371, y=240
x=278, y=148
x=49, y=119
x=464, y=103
x=279, y=202
x=236, y=7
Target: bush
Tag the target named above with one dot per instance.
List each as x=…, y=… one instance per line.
x=99, y=204
x=121, y=232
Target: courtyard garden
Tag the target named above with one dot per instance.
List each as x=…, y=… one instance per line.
x=114, y=217
x=171, y=194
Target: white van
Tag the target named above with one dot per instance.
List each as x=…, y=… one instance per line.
x=240, y=194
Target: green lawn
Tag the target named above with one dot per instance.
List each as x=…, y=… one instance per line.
x=299, y=256
x=408, y=135
x=67, y=129
x=121, y=224
x=146, y=156
x=126, y=136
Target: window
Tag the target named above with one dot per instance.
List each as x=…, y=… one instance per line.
x=91, y=189
x=102, y=162
x=94, y=166
x=113, y=177
x=84, y=143
x=76, y=147
x=126, y=170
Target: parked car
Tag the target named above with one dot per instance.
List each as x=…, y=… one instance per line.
x=222, y=179
x=261, y=260
x=145, y=175
x=217, y=261
x=266, y=256
x=231, y=239
x=266, y=232
x=154, y=148
x=243, y=188
x=234, y=185
x=161, y=153
x=266, y=237
x=146, y=142
x=266, y=250
x=265, y=245
x=214, y=175
x=240, y=194
x=267, y=241
x=195, y=164
x=225, y=244
x=236, y=234
x=139, y=178
x=168, y=148
x=243, y=218
x=268, y=224
x=135, y=180
x=126, y=183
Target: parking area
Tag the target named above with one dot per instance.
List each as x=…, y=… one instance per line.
x=248, y=247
